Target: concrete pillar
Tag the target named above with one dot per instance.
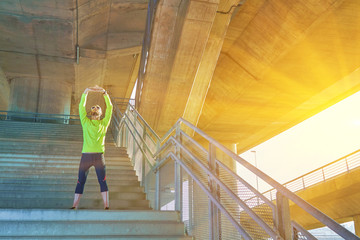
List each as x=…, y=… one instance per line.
x=4, y=91
x=357, y=225
x=55, y=97
x=24, y=94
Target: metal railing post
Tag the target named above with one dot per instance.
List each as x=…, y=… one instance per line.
x=134, y=145
x=190, y=204
x=178, y=175
x=157, y=180
x=283, y=217
x=122, y=130
x=143, y=158
x=214, y=214
x=126, y=136
x=347, y=165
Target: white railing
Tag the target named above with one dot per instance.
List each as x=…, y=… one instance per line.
x=39, y=117
x=340, y=166
x=199, y=180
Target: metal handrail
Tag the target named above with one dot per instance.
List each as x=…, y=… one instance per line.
x=233, y=174
x=280, y=188
x=333, y=225
x=323, y=170
x=227, y=190
x=214, y=200
x=300, y=229
x=143, y=120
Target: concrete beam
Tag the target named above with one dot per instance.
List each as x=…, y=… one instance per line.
x=259, y=80
x=208, y=62
x=133, y=76
x=179, y=36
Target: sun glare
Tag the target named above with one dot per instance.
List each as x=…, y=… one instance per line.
x=321, y=139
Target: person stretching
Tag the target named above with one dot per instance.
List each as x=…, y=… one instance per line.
x=94, y=131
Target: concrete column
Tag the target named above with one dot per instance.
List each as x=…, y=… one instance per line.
x=357, y=225
x=4, y=91
x=55, y=97
x=24, y=94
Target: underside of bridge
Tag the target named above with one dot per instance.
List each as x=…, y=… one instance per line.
x=242, y=71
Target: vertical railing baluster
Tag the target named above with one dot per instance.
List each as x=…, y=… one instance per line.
x=178, y=175
x=134, y=145
x=157, y=180
x=214, y=215
x=143, y=157
x=190, y=209
x=303, y=182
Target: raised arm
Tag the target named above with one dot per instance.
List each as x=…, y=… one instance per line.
x=82, y=104
x=109, y=109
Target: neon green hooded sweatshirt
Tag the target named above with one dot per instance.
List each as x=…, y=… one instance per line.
x=94, y=131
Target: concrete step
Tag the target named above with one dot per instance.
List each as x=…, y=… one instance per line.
x=48, y=176
x=89, y=224
x=64, y=162
x=60, y=157
x=65, y=187
x=57, y=152
x=40, y=170
x=92, y=227
x=123, y=228
x=66, y=203
x=91, y=180
x=57, y=165
x=53, y=148
x=92, y=237
x=4, y=195
x=86, y=215
x=43, y=159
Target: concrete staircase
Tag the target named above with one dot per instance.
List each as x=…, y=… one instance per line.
x=38, y=174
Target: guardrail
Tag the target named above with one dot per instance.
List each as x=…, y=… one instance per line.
x=39, y=117
x=321, y=174
x=180, y=174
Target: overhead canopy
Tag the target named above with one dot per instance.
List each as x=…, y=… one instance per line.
x=280, y=63
x=241, y=72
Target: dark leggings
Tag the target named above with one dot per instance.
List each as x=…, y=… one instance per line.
x=88, y=160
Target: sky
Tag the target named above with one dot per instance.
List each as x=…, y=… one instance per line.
x=321, y=139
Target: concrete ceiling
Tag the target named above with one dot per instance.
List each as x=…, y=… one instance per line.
x=38, y=50
x=242, y=74
x=263, y=68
